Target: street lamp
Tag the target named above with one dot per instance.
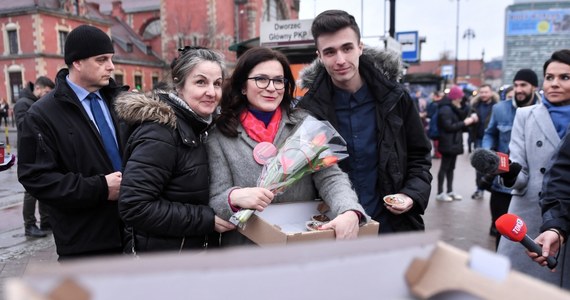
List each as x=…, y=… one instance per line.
x=469, y=34
x=456, y=44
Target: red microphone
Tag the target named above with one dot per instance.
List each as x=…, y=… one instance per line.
x=513, y=228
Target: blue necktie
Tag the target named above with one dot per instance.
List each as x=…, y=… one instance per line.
x=105, y=132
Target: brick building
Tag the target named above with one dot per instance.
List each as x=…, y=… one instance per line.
x=468, y=71
x=145, y=34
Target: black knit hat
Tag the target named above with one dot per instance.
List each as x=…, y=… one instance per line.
x=86, y=41
x=527, y=75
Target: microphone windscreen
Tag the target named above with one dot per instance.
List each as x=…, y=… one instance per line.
x=511, y=227
x=484, y=161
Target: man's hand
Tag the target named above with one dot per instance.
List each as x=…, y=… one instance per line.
x=221, y=225
x=487, y=181
x=345, y=225
x=114, y=184
x=254, y=198
x=550, y=242
x=400, y=209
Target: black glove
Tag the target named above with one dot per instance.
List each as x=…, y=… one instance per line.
x=487, y=181
x=510, y=177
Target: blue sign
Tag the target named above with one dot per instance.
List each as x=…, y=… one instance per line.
x=410, y=45
x=536, y=22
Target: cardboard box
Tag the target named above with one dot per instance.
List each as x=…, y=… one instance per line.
x=393, y=266
x=284, y=223
x=365, y=268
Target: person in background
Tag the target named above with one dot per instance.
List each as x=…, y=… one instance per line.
x=421, y=105
x=4, y=111
x=507, y=93
x=482, y=105
x=356, y=89
x=433, y=131
x=29, y=96
x=510, y=93
x=498, y=135
x=536, y=134
x=256, y=108
x=70, y=155
x=452, y=119
x=165, y=188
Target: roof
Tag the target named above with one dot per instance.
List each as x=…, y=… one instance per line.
x=125, y=39
x=11, y=4
x=472, y=66
x=129, y=6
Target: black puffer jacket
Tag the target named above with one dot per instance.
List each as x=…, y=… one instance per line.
x=450, y=124
x=403, y=148
x=165, y=187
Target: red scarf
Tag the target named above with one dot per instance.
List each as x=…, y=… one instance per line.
x=256, y=129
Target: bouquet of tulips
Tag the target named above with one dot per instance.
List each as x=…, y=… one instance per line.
x=313, y=145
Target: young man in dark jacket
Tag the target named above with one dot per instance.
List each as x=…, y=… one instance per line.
x=30, y=95
x=70, y=158
x=356, y=89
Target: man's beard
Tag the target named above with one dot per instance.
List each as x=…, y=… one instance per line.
x=523, y=102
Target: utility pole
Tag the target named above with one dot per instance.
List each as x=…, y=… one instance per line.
x=456, y=45
x=393, y=18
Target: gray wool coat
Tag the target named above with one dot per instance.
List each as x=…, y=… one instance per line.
x=533, y=142
x=232, y=165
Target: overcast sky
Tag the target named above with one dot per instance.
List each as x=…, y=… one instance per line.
x=433, y=19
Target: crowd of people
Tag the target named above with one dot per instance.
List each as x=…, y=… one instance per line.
x=126, y=172
x=528, y=126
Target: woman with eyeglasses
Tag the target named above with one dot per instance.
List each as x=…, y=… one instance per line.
x=165, y=189
x=256, y=108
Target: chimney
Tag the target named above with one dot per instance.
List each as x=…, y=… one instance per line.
x=118, y=11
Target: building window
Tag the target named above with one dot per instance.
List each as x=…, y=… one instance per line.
x=62, y=38
x=15, y=85
x=152, y=30
x=138, y=82
x=13, y=41
x=119, y=79
x=154, y=81
x=273, y=11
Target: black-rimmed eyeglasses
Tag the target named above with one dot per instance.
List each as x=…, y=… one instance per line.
x=263, y=82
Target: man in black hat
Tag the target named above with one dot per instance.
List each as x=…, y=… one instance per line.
x=498, y=135
x=70, y=157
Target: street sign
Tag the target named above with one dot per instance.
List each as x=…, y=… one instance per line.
x=410, y=45
x=447, y=71
x=286, y=33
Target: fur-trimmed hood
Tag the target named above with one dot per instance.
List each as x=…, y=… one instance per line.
x=136, y=108
x=495, y=98
x=388, y=62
